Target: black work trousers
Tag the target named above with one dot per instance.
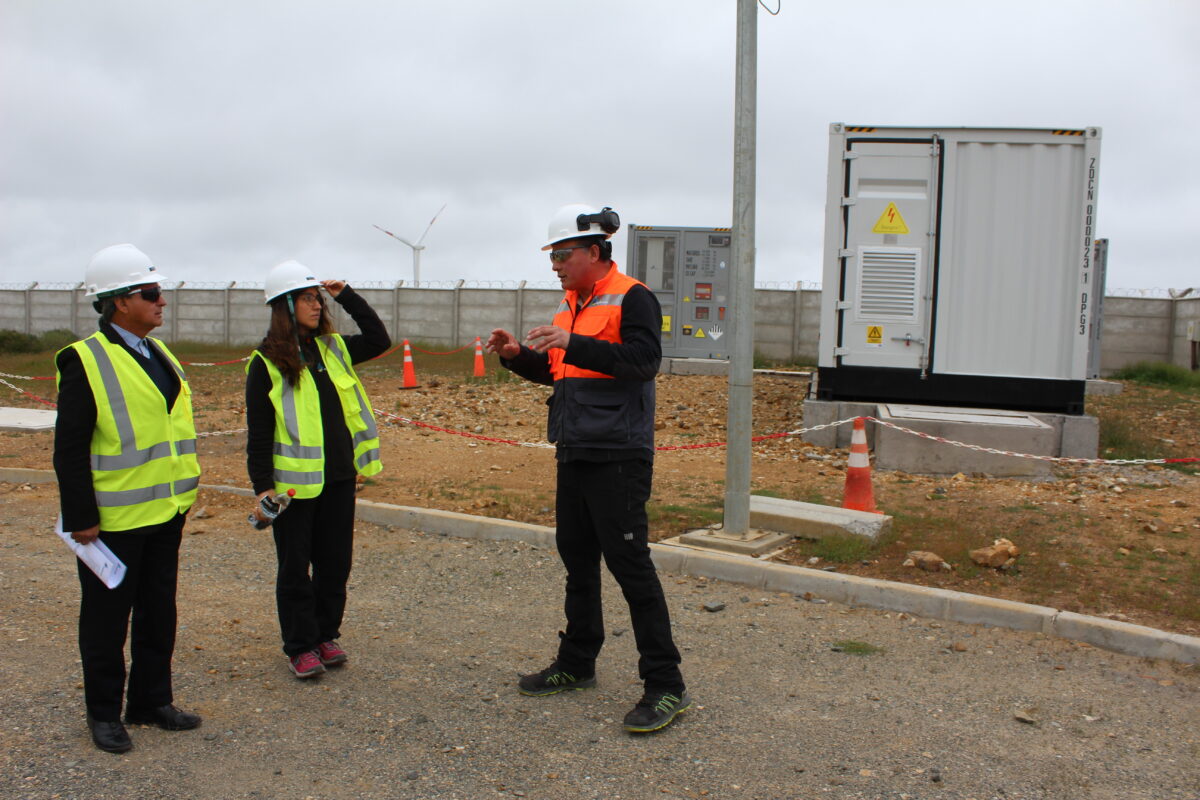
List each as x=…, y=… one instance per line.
x=601, y=511
x=151, y=558
x=314, y=542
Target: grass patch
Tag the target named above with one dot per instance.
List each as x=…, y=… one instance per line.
x=1159, y=373
x=854, y=647
x=679, y=517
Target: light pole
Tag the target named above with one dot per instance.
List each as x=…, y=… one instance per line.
x=418, y=247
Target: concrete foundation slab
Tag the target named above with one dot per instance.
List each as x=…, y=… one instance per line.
x=822, y=412
x=813, y=521
x=27, y=419
x=1101, y=387
x=755, y=543
x=694, y=366
x=1002, y=430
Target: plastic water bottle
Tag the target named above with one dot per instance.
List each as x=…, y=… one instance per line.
x=271, y=508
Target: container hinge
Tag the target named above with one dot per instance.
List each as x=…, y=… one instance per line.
x=845, y=252
x=841, y=351
x=848, y=201
x=842, y=305
x=849, y=155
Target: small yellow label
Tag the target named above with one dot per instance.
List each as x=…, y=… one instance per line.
x=890, y=221
x=700, y=333
x=666, y=323
x=874, y=334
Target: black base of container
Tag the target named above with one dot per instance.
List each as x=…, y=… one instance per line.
x=887, y=385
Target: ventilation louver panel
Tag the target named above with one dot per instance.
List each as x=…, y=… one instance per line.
x=888, y=283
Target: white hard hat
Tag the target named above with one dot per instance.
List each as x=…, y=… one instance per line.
x=576, y=220
x=288, y=276
x=117, y=267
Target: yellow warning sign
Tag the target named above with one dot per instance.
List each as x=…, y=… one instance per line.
x=700, y=333
x=874, y=334
x=666, y=323
x=890, y=221
x=687, y=299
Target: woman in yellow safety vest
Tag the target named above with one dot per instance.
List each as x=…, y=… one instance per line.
x=311, y=431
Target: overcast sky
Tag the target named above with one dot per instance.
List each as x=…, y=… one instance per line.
x=223, y=137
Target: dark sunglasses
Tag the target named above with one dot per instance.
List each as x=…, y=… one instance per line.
x=559, y=256
x=149, y=293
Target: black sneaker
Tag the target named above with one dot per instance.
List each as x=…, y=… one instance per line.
x=656, y=710
x=553, y=680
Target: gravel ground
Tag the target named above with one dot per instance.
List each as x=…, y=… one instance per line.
x=439, y=628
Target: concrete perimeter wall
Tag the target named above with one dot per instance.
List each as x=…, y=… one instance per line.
x=786, y=320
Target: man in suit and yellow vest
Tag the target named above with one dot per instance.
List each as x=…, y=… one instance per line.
x=125, y=456
x=601, y=355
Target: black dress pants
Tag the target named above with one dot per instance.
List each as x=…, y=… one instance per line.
x=601, y=511
x=151, y=557
x=316, y=533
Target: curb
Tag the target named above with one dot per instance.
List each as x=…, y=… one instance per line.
x=922, y=601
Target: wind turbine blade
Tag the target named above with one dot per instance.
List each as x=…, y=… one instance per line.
x=430, y=225
x=394, y=236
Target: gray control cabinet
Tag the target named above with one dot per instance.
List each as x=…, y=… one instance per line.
x=689, y=270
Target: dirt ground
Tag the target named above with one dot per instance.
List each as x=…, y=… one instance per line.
x=1117, y=541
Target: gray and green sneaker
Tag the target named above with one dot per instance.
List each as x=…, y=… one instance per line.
x=656, y=710
x=553, y=680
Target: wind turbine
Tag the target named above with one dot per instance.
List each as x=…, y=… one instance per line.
x=418, y=247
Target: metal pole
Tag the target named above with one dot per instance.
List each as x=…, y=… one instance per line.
x=741, y=357
x=417, y=266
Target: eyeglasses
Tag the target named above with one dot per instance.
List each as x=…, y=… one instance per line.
x=149, y=293
x=559, y=256
x=312, y=299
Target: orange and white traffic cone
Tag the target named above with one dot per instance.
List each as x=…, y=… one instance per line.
x=858, y=494
x=479, y=370
x=410, y=373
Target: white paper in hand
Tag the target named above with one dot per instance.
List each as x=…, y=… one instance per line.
x=96, y=556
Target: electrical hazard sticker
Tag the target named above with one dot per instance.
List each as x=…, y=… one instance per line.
x=874, y=336
x=890, y=221
x=700, y=333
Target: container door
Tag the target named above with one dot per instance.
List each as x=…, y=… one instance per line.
x=655, y=263
x=890, y=224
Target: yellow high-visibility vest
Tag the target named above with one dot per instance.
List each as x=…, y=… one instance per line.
x=144, y=466
x=299, y=454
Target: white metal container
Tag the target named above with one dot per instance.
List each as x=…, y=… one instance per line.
x=958, y=266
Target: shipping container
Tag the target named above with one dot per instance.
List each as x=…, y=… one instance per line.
x=959, y=266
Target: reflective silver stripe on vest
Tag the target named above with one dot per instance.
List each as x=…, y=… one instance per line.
x=562, y=306
x=292, y=477
x=370, y=432
x=607, y=300
x=367, y=457
x=187, y=485
x=185, y=447
x=290, y=420
x=132, y=497
x=130, y=455
x=299, y=450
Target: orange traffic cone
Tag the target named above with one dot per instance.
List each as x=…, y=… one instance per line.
x=410, y=374
x=479, y=370
x=858, y=493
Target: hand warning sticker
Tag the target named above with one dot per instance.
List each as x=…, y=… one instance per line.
x=874, y=336
x=666, y=323
x=890, y=221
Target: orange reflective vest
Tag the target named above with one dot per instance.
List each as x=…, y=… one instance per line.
x=589, y=409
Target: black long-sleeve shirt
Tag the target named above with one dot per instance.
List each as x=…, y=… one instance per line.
x=260, y=413
x=76, y=421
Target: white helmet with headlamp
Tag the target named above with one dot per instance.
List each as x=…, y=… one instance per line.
x=578, y=220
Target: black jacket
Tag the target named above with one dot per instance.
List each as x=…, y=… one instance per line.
x=77, y=420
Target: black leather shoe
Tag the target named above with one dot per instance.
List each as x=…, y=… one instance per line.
x=111, y=737
x=167, y=717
